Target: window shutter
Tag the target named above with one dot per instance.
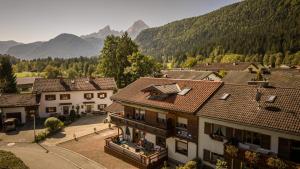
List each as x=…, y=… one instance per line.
x=206, y=155
x=229, y=132
x=92, y=95
x=266, y=141
x=238, y=134
x=207, y=128
x=284, y=147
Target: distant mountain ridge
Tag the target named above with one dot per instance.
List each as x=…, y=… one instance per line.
x=247, y=27
x=67, y=45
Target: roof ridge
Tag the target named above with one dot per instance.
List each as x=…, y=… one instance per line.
x=163, y=78
x=253, y=86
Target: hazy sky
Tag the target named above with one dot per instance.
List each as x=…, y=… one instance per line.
x=40, y=20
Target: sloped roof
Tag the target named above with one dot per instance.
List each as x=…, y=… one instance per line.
x=79, y=84
x=186, y=74
x=165, y=88
x=200, y=91
x=17, y=100
x=240, y=107
x=25, y=80
x=240, y=66
x=115, y=107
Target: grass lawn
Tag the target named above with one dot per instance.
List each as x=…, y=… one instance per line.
x=30, y=74
x=9, y=161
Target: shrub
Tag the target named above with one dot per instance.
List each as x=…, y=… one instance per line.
x=72, y=115
x=40, y=136
x=276, y=163
x=189, y=165
x=221, y=164
x=53, y=124
x=9, y=161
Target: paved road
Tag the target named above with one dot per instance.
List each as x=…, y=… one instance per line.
x=35, y=157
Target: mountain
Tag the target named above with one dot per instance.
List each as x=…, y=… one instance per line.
x=246, y=27
x=102, y=33
x=5, y=45
x=64, y=45
x=136, y=28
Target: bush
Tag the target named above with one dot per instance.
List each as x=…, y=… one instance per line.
x=189, y=165
x=9, y=161
x=40, y=136
x=72, y=115
x=53, y=124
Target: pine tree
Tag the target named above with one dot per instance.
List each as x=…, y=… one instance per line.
x=8, y=78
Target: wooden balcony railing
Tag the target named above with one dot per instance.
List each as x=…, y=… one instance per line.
x=120, y=120
x=140, y=160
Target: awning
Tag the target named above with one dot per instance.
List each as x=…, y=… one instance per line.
x=88, y=102
x=63, y=104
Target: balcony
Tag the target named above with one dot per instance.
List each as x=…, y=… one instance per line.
x=141, y=157
x=120, y=120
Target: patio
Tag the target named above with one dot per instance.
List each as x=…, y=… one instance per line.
x=141, y=155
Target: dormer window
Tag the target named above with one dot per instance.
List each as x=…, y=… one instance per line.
x=271, y=99
x=224, y=96
x=161, y=92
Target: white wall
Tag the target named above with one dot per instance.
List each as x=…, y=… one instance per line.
x=192, y=150
x=16, y=110
x=151, y=138
x=77, y=98
x=205, y=142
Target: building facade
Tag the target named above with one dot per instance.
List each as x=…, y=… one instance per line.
x=83, y=95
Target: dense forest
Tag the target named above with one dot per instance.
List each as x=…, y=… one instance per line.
x=251, y=28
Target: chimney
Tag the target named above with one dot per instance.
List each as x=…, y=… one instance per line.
x=91, y=79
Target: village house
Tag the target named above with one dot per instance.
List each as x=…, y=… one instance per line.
x=235, y=66
x=18, y=106
x=159, y=120
x=24, y=84
x=82, y=95
x=191, y=74
x=260, y=120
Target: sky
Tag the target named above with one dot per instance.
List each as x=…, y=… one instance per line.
x=40, y=20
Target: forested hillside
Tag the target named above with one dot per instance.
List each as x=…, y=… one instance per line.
x=250, y=27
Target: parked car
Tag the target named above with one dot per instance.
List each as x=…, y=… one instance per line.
x=10, y=124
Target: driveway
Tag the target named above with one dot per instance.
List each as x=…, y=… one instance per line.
x=92, y=147
x=35, y=157
x=83, y=126
x=22, y=134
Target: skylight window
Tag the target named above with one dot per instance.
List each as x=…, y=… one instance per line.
x=224, y=96
x=184, y=91
x=271, y=99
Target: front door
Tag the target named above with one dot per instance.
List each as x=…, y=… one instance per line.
x=89, y=108
x=66, y=110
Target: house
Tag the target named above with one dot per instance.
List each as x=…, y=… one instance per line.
x=191, y=74
x=24, y=84
x=276, y=78
x=83, y=95
x=261, y=120
x=19, y=106
x=235, y=66
x=159, y=120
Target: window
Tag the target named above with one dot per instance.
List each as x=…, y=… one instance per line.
x=224, y=96
x=82, y=106
x=219, y=130
x=101, y=106
x=102, y=95
x=88, y=96
x=211, y=156
x=181, y=147
x=139, y=114
x=182, y=123
x=50, y=109
x=65, y=96
x=160, y=141
x=50, y=97
x=271, y=99
x=161, y=118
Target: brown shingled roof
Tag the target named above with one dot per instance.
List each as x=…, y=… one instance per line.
x=17, y=100
x=240, y=107
x=79, y=84
x=187, y=74
x=188, y=103
x=115, y=107
x=223, y=66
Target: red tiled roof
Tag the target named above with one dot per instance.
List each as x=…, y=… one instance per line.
x=189, y=103
x=223, y=66
x=79, y=84
x=240, y=107
x=17, y=100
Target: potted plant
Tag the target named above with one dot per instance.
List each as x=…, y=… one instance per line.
x=252, y=158
x=232, y=151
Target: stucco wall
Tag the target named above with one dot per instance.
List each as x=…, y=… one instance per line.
x=205, y=142
x=192, y=151
x=77, y=98
x=15, y=110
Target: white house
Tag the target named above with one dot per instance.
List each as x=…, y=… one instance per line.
x=19, y=106
x=83, y=95
x=263, y=120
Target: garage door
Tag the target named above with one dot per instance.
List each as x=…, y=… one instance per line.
x=16, y=115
